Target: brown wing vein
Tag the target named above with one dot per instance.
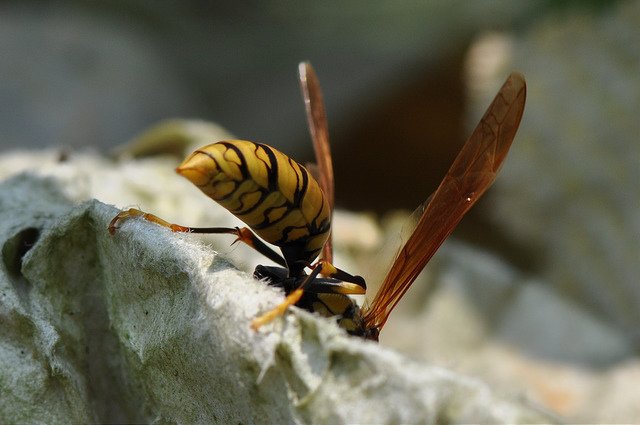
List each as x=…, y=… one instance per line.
x=470, y=175
x=317, y=120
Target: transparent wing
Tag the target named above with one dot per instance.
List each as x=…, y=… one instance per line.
x=317, y=120
x=471, y=174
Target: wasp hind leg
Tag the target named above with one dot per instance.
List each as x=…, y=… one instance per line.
x=243, y=234
x=134, y=212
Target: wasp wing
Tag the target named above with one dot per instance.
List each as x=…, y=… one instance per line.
x=317, y=120
x=471, y=174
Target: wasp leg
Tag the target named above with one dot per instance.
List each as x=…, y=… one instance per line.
x=290, y=300
x=329, y=270
x=357, y=286
x=134, y=212
x=243, y=234
x=278, y=311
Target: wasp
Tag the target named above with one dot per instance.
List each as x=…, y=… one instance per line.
x=287, y=206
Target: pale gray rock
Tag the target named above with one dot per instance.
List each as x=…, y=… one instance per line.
x=151, y=326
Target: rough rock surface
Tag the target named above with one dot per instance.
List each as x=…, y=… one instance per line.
x=150, y=326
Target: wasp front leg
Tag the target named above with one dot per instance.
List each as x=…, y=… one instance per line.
x=329, y=270
x=347, y=284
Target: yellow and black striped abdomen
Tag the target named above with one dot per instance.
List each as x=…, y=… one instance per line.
x=270, y=192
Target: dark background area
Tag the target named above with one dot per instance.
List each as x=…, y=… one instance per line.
x=91, y=75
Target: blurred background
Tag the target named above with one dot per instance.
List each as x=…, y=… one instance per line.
x=404, y=84
x=79, y=75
